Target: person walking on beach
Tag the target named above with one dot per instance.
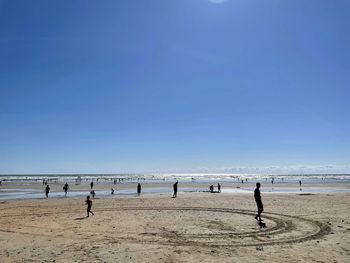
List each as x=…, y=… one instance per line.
x=92, y=184
x=112, y=191
x=65, y=188
x=89, y=205
x=138, y=189
x=258, y=201
x=93, y=193
x=175, y=189
x=219, y=188
x=47, y=190
x=300, y=183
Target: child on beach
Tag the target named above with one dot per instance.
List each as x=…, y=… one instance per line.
x=89, y=205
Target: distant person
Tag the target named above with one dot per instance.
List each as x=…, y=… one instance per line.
x=138, y=189
x=112, y=191
x=242, y=181
x=65, y=188
x=47, y=190
x=211, y=188
x=175, y=189
x=272, y=181
x=219, y=188
x=92, y=184
x=258, y=201
x=89, y=205
x=93, y=193
x=300, y=183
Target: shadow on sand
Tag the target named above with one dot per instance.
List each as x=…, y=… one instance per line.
x=81, y=218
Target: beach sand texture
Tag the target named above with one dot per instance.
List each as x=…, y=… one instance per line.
x=195, y=227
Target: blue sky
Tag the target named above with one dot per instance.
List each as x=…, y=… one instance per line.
x=186, y=85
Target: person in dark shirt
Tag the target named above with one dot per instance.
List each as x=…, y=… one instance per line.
x=175, y=189
x=258, y=201
x=219, y=188
x=138, y=189
x=47, y=190
x=65, y=188
x=92, y=184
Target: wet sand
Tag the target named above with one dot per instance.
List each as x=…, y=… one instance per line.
x=195, y=227
x=35, y=190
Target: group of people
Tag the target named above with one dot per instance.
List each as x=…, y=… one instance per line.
x=211, y=188
x=88, y=201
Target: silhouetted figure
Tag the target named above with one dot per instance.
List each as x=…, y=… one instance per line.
x=258, y=201
x=219, y=188
x=138, y=189
x=89, y=205
x=47, y=190
x=242, y=181
x=211, y=188
x=93, y=193
x=272, y=181
x=175, y=189
x=300, y=183
x=112, y=191
x=0, y=182
x=65, y=188
x=246, y=179
x=92, y=184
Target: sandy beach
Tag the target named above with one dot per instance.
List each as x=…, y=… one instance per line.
x=195, y=227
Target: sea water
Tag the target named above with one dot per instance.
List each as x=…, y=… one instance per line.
x=231, y=183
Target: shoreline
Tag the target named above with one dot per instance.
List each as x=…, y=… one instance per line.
x=35, y=190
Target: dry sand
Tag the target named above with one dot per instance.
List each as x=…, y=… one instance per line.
x=195, y=227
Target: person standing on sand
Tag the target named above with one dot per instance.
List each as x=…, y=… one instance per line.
x=92, y=184
x=47, y=190
x=219, y=188
x=65, y=188
x=175, y=189
x=89, y=205
x=258, y=201
x=138, y=189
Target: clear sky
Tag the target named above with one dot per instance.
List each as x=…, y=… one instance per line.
x=178, y=85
